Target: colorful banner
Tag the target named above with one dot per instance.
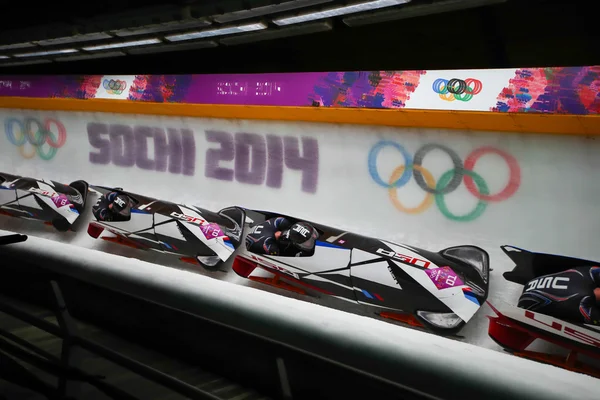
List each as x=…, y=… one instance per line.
x=564, y=90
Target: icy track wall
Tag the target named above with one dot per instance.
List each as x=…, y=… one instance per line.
x=429, y=188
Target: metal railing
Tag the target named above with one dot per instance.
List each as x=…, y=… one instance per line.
x=61, y=367
x=280, y=347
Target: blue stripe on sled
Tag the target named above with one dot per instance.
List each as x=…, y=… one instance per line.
x=136, y=211
x=471, y=297
x=228, y=243
x=367, y=294
x=327, y=244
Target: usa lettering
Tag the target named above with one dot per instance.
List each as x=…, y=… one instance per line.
x=404, y=258
x=128, y=146
x=256, y=229
x=188, y=218
x=548, y=282
x=567, y=330
x=43, y=192
x=120, y=202
x=262, y=159
x=302, y=230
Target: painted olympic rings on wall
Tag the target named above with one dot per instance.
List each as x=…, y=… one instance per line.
x=448, y=182
x=37, y=134
x=114, y=86
x=457, y=89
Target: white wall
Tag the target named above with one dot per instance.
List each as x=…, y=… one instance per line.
x=551, y=211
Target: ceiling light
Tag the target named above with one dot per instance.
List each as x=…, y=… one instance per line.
x=16, y=46
x=334, y=12
x=123, y=44
x=417, y=11
x=305, y=29
x=25, y=63
x=169, y=26
x=91, y=56
x=272, y=9
x=74, y=39
x=216, y=32
x=4, y=57
x=46, y=53
x=174, y=47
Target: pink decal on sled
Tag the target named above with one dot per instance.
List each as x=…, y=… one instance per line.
x=211, y=231
x=444, y=277
x=61, y=201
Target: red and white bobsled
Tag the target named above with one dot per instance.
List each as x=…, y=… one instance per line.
x=516, y=329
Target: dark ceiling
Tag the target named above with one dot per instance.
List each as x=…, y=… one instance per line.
x=420, y=34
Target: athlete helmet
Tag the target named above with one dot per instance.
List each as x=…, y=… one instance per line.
x=595, y=275
x=121, y=204
x=301, y=235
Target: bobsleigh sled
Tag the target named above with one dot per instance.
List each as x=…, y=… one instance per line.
x=515, y=329
x=194, y=234
x=45, y=200
x=437, y=291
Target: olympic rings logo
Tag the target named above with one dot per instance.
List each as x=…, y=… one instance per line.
x=114, y=86
x=457, y=89
x=37, y=134
x=448, y=182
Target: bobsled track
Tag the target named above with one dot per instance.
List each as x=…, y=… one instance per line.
x=529, y=191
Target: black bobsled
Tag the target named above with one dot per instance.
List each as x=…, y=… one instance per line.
x=42, y=199
x=515, y=329
x=530, y=265
x=194, y=234
x=439, y=291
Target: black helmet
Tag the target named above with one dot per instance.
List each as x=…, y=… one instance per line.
x=595, y=275
x=302, y=235
x=121, y=204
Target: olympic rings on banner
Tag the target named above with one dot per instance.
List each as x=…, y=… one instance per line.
x=114, y=86
x=448, y=182
x=37, y=134
x=457, y=89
